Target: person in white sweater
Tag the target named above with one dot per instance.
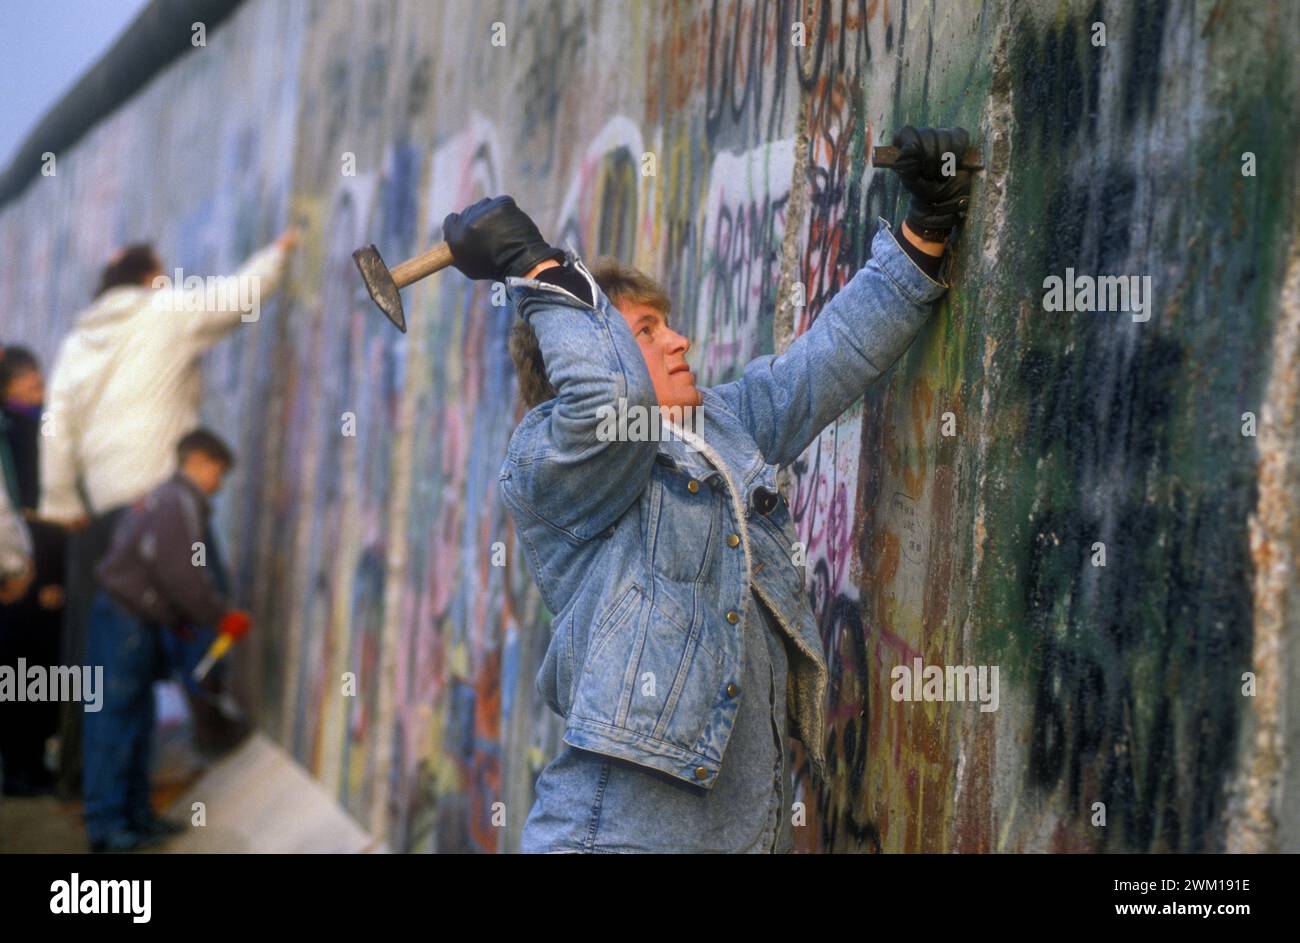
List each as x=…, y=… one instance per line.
x=125, y=385
x=124, y=389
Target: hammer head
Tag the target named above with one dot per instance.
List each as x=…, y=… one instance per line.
x=380, y=284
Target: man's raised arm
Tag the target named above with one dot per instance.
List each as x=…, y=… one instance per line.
x=786, y=400
x=561, y=470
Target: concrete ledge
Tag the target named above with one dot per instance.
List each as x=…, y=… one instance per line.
x=259, y=800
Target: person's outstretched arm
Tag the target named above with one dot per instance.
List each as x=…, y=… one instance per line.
x=203, y=316
x=786, y=400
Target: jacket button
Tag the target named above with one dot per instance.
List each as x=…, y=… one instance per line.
x=731, y=690
x=733, y=540
x=693, y=487
x=701, y=773
x=733, y=616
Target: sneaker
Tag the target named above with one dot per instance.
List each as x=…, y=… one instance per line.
x=124, y=840
x=161, y=827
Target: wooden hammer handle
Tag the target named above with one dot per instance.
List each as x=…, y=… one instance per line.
x=888, y=156
x=412, y=270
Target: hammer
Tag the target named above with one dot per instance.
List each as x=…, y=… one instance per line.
x=384, y=283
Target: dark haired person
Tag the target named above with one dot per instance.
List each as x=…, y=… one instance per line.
x=124, y=388
x=681, y=629
x=160, y=574
x=29, y=625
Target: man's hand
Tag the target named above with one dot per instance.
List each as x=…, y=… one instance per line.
x=50, y=596
x=80, y=522
x=288, y=239
x=495, y=239
x=15, y=587
x=939, y=200
x=929, y=247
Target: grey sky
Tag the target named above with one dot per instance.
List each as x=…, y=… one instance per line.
x=45, y=46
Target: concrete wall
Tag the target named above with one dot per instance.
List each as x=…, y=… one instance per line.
x=1119, y=685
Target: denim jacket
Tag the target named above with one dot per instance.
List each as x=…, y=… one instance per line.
x=647, y=551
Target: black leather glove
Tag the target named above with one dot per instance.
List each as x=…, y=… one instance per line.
x=495, y=239
x=938, y=203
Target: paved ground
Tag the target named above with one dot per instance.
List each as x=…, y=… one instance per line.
x=41, y=825
x=50, y=825
x=256, y=799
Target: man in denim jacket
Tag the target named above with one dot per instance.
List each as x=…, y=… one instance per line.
x=682, y=634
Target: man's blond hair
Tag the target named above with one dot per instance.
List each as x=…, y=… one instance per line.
x=621, y=284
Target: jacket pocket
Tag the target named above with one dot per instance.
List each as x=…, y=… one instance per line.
x=613, y=619
x=686, y=514
x=648, y=675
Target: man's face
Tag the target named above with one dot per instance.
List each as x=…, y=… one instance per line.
x=664, y=351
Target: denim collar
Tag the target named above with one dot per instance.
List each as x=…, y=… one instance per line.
x=734, y=447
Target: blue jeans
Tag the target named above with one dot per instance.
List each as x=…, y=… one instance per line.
x=589, y=802
x=118, y=739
